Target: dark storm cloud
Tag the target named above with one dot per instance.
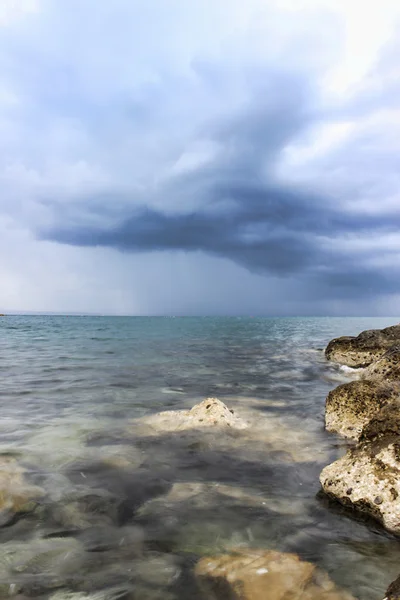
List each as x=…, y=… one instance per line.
x=280, y=237
x=242, y=212
x=238, y=214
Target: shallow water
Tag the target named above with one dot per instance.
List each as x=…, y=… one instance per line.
x=134, y=511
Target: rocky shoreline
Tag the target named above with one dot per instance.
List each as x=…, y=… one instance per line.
x=367, y=412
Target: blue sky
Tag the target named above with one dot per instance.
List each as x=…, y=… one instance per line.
x=200, y=157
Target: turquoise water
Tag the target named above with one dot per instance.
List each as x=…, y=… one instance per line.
x=70, y=387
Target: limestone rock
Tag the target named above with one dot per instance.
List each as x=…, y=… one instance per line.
x=367, y=478
x=387, y=367
x=385, y=422
x=260, y=574
x=16, y=494
x=351, y=406
x=364, y=349
x=209, y=413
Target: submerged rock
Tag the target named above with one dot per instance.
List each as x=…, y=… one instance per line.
x=36, y=566
x=106, y=538
x=261, y=574
x=387, y=367
x=202, y=518
x=83, y=508
x=106, y=594
x=17, y=496
x=209, y=413
x=351, y=406
x=367, y=478
x=364, y=349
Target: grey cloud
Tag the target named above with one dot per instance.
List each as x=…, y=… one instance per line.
x=238, y=214
x=243, y=213
x=131, y=108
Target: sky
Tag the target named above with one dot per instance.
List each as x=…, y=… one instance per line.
x=200, y=157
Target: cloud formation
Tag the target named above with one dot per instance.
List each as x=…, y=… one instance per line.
x=214, y=133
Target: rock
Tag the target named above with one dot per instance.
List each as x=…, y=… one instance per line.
x=393, y=591
x=101, y=539
x=387, y=367
x=367, y=478
x=260, y=574
x=84, y=508
x=350, y=406
x=120, y=456
x=210, y=517
x=35, y=566
x=362, y=350
x=17, y=496
x=157, y=569
x=186, y=497
x=385, y=422
x=201, y=517
x=209, y=413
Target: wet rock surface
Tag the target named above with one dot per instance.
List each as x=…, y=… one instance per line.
x=351, y=406
x=367, y=478
x=362, y=350
x=208, y=509
x=17, y=495
x=260, y=574
x=386, y=368
x=209, y=413
x=385, y=422
x=40, y=565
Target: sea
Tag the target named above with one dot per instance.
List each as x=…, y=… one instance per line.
x=126, y=513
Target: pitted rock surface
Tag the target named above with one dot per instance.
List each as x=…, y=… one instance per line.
x=210, y=413
x=259, y=574
x=367, y=478
x=362, y=350
x=351, y=406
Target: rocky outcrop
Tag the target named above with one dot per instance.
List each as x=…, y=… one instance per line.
x=387, y=367
x=367, y=478
x=260, y=574
x=351, y=406
x=209, y=413
x=364, y=349
x=17, y=496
